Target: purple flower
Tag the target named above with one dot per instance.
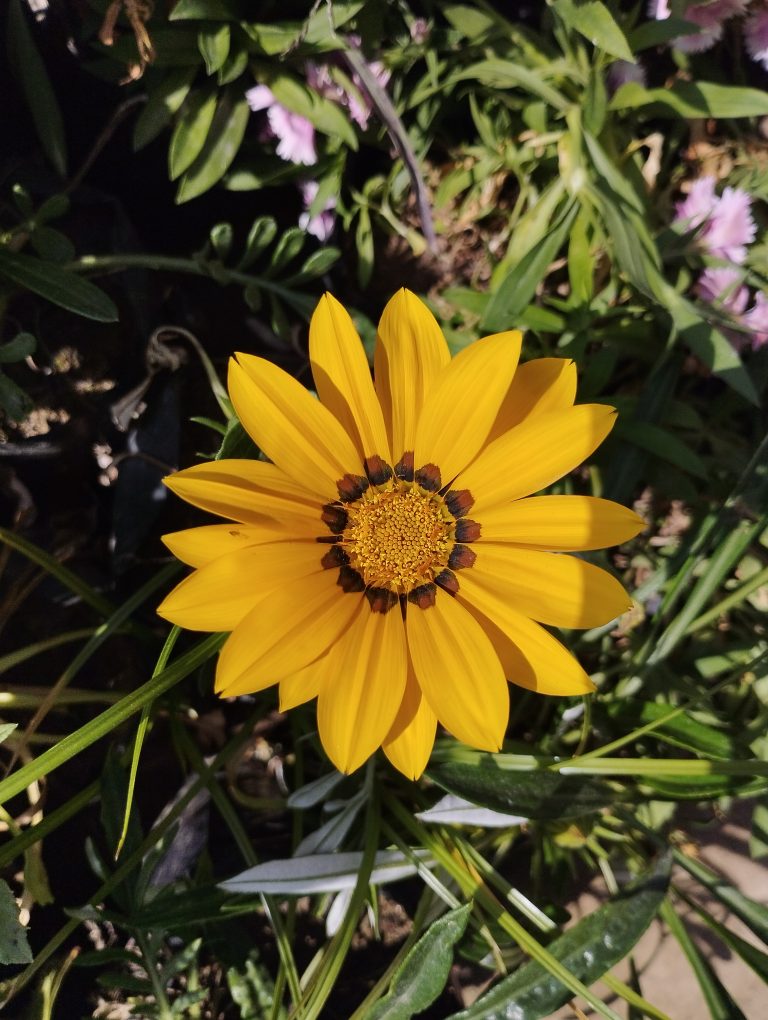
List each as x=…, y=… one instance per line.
x=756, y=36
x=295, y=134
x=723, y=287
x=725, y=224
x=321, y=224
x=756, y=320
x=356, y=100
x=709, y=16
x=622, y=71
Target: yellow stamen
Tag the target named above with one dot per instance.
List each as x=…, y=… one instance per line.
x=398, y=536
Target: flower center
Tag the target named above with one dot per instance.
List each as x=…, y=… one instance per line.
x=398, y=536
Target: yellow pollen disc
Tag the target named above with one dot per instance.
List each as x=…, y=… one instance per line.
x=398, y=536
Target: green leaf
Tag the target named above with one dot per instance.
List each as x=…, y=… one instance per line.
x=422, y=975
x=51, y=244
x=164, y=101
x=13, y=400
x=22, y=345
x=518, y=288
x=753, y=914
x=212, y=10
x=319, y=262
x=707, y=343
x=6, y=729
x=588, y=950
x=595, y=22
x=656, y=33
x=221, y=147
x=326, y=116
x=191, y=131
x=260, y=236
x=214, y=44
x=506, y=74
x=693, y=99
x=29, y=68
x=661, y=443
x=538, y=795
x=287, y=248
x=710, y=787
x=58, y=286
x=233, y=66
x=680, y=731
x=14, y=947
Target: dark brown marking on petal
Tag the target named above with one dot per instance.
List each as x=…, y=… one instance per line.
x=404, y=467
x=381, y=599
x=350, y=581
x=335, y=517
x=428, y=477
x=423, y=596
x=448, y=581
x=459, y=502
x=467, y=530
x=335, y=557
x=351, y=487
x=377, y=469
x=328, y=539
x=461, y=556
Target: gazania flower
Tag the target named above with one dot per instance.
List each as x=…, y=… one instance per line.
x=390, y=559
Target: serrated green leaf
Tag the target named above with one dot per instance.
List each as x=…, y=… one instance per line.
x=693, y=99
x=213, y=42
x=164, y=101
x=519, y=286
x=29, y=68
x=221, y=147
x=588, y=950
x=538, y=795
x=57, y=285
x=594, y=21
x=191, y=131
x=22, y=345
x=422, y=975
x=14, y=947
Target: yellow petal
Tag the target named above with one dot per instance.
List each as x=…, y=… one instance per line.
x=410, y=352
x=459, y=672
x=218, y=595
x=546, y=384
x=363, y=688
x=303, y=686
x=560, y=523
x=534, y=454
x=198, y=546
x=291, y=627
x=409, y=742
x=292, y=428
x=530, y=656
x=343, y=378
x=250, y=491
x=553, y=588
x=463, y=403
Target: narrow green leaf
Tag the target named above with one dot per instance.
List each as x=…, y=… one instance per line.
x=28, y=66
x=191, y=131
x=693, y=99
x=681, y=731
x=14, y=947
x=518, y=288
x=719, y=1002
x=539, y=794
x=213, y=10
x=260, y=236
x=6, y=729
x=588, y=949
x=287, y=248
x=233, y=66
x=220, y=148
x=164, y=101
x=422, y=975
x=506, y=74
x=656, y=33
x=22, y=345
x=214, y=42
x=753, y=914
x=751, y=955
x=327, y=116
x=595, y=22
x=663, y=444
x=59, y=286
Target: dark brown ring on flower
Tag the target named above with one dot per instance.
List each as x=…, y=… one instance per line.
x=461, y=557
x=350, y=581
x=351, y=487
x=381, y=599
x=459, y=502
x=448, y=581
x=335, y=517
x=428, y=477
x=377, y=469
x=423, y=596
x=467, y=530
x=335, y=557
x=404, y=467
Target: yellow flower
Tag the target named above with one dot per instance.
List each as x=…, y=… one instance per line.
x=390, y=560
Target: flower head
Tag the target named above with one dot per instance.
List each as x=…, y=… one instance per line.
x=295, y=134
x=722, y=286
x=756, y=321
x=756, y=35
x=319, y=224
x=725, y=222
x=390, y=559
x=709, y=15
